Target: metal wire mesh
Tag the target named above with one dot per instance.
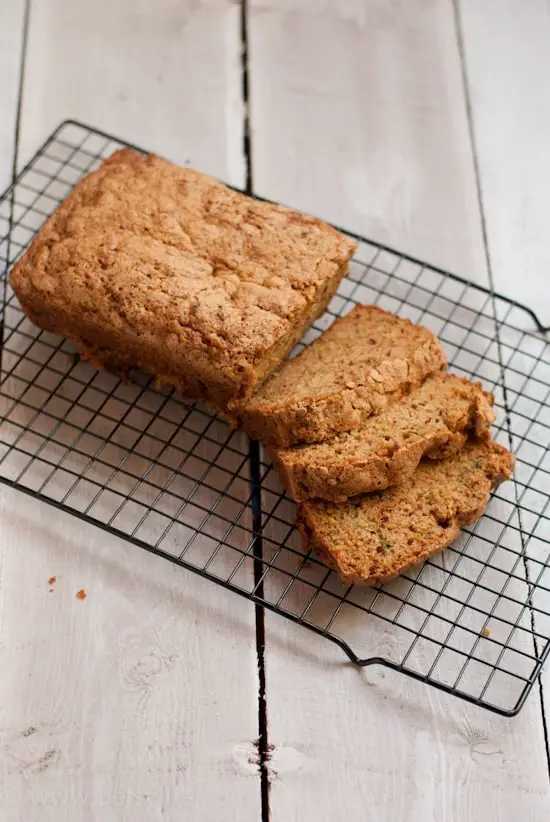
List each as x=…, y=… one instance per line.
x=168, y=476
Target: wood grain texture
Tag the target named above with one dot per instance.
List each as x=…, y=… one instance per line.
x=136, y=703
x=507, y=61
x=165, y=75
x=11, y=35
x=140, y=701
x=387, y=747
x=358, y=115
x=508, y=67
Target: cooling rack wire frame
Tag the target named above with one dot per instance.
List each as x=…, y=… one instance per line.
x=166, y=475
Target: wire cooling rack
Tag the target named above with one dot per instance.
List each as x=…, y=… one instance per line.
x=171, y=478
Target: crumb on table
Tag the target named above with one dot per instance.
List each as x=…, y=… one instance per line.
x=486, y=632
x=52, y=580
x=81, y=594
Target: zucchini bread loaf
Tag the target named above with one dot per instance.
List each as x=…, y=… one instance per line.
x=372, y=538
x=149, y=265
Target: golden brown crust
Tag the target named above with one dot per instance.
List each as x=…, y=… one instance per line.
x=373, y=538
x=150, y=265
x=364, y=362
x=434, y=420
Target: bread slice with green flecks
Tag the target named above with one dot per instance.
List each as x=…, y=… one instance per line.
x=372, y=538
x=355, y=369
x=435, y=420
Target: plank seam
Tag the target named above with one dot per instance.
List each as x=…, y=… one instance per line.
x=255, y=473
x=18, y=110
x=472, y=140
x=479, y=191
x=15, y=156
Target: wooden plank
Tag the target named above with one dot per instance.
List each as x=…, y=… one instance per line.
x=511, y=114
x=355, y=118
x=342, y=93
x=139, y=701
x=393, y=748
x=507, y=63
x=11, y=34
x=143, y=75
x=378, y=726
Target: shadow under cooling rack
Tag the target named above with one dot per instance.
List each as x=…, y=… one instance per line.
x=171, y=478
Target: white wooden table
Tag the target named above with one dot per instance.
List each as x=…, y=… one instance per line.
x=421, y=123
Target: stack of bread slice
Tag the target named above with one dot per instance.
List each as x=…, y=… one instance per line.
x=386, y=454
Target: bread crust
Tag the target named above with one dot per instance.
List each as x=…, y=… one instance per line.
x=150, y=265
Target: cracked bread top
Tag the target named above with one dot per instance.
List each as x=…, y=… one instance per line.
x=143, y=248
x=372, y=538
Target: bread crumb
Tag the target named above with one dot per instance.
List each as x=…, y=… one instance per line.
x=50, y=590
x=486, y=632
x=81, y=594
x=52, y=580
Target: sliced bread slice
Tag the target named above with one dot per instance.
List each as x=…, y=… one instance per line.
x=375, y=537
x=364, y=361
x=433, y=420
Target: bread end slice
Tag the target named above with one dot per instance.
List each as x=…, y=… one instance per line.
x=373, y=538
